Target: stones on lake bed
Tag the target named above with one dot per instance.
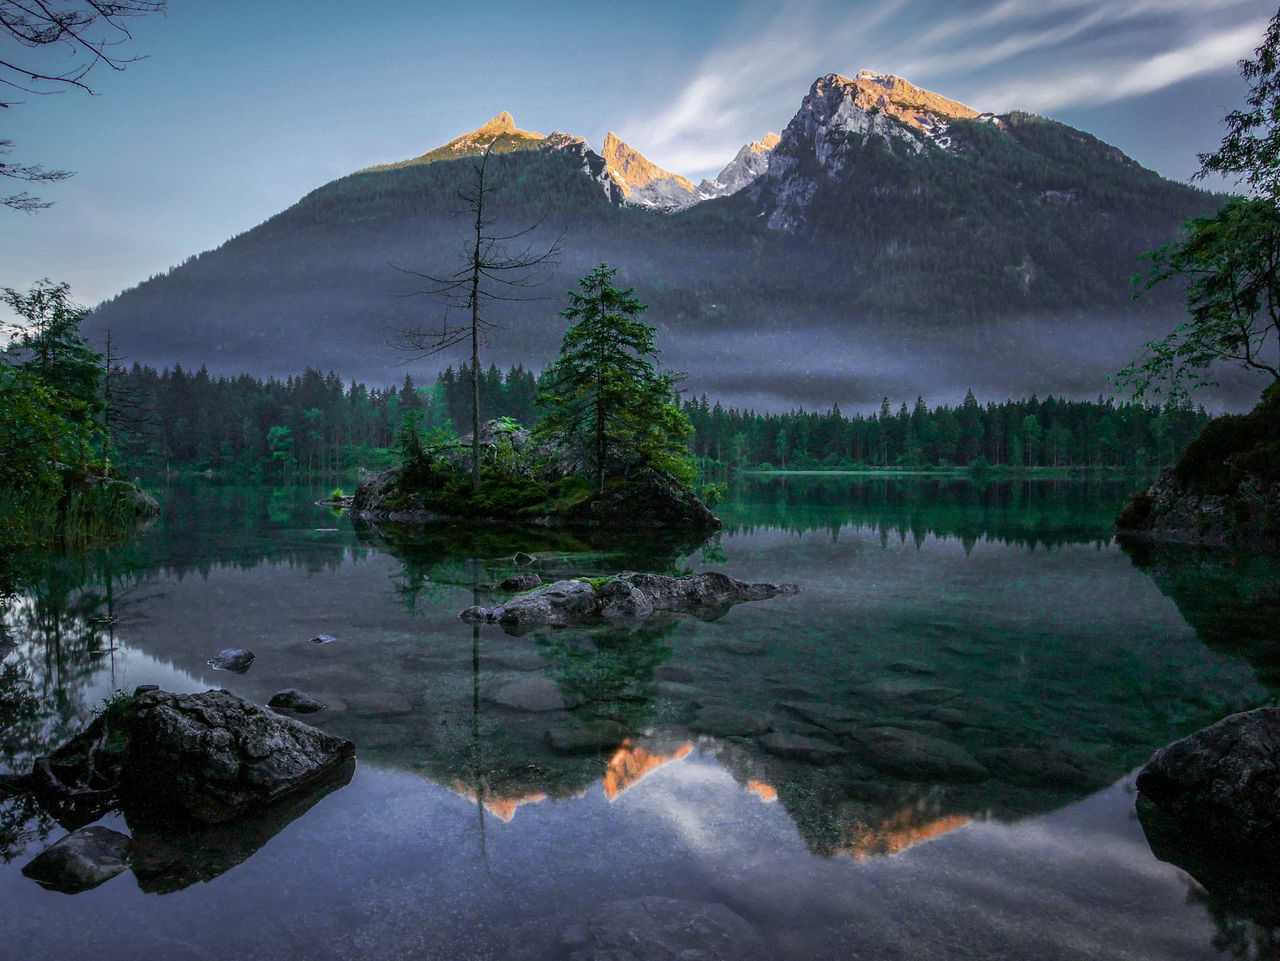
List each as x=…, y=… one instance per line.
x=323, y=639
x=80, y=861
x=914, y=756
x=234, y=659
x=526, y=692
x=657, y=927
x=291, y=699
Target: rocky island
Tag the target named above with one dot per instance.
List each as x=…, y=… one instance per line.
x=528, y=482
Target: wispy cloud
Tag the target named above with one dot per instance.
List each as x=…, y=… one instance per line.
x=1114, y=79
x=749, y=86
x=1044, y=55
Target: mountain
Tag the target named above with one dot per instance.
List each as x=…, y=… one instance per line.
x=890, y=242
x=500, y=132
x=740, y=172
x=644, y=182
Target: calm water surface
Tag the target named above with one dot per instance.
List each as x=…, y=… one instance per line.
x=927, y=753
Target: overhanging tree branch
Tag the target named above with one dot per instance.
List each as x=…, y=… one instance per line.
x=89, y=31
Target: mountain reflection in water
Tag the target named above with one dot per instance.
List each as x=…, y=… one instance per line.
x=959, y=658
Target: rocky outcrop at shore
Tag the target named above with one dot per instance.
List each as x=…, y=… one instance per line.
x=1225, y=489
x=626, y=596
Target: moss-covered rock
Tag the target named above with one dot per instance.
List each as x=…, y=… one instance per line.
x=1224, y=490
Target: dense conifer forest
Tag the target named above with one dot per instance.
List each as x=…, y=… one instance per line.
x=191, y=421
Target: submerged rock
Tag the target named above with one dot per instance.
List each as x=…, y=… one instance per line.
x=291, y=699
x=626, y=596
x=233, y=659
x=1221, y=783
x=213, y=756
x=655, y=927
x=526, y=692
x=81, y=860
x=918, y=757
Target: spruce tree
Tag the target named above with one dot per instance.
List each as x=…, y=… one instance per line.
x=604, y=397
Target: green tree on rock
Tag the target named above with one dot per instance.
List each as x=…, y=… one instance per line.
x=604, y=397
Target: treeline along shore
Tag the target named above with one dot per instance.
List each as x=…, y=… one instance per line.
x=174, y=419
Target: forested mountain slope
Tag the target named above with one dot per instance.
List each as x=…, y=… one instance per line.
x=890, y=242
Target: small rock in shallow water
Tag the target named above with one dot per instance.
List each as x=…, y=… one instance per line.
x=521, y=582
x=80, y=861
x=291, y=699
x=524, y=560
x=233, y=659
x=918, y=757
x=323, y=639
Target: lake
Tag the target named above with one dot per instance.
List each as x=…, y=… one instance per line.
x=929, y=752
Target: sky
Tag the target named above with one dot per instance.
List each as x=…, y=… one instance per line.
x=241, y=107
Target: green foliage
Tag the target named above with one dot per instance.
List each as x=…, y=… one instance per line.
x=1235, y=445
x=1230, y=263
x=337, y=494
x=605, y=398
x=712, y=493
x=51, y=436
x=1251, y=148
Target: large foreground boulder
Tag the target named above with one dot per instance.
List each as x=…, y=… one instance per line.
x=626, y=596
x=1221, y=785
x=182, y=759
x=213, y=756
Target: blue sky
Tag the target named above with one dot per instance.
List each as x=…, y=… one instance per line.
x=243, y=106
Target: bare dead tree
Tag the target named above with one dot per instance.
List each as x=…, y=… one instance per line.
x=494, y=267
x=88, y=33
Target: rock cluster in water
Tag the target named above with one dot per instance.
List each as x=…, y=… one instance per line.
x=178, y=766
x=626, y=596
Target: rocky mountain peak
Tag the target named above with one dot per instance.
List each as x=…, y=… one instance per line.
x=748, y=164
x=502, y=123
x=765, y=143
x=835, y=116
x=501, y=132
x=634, y=172
x=834, y=97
